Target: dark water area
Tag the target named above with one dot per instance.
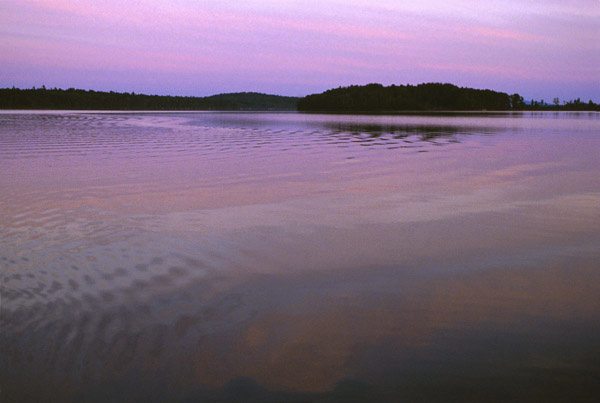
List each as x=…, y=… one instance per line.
x=297, y=257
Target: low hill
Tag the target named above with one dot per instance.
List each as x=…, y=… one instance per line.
x=430, y=96
x=252, y=101
x=42, y=98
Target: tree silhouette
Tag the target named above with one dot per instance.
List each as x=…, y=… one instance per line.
x=42, y=98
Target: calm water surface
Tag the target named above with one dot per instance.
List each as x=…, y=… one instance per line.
x=293, y=257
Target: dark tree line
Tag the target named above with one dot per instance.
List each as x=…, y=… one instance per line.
x=422, y=97
x=372, y=97
x=42, y=98
x=431, y=96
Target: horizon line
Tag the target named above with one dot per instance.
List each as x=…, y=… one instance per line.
x=43, y=87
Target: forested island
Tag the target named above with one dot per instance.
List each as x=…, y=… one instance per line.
x=426, y=97
x=75, y=99
x=353, y=99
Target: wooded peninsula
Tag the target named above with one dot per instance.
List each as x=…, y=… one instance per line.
x=74, y=99
x=353, y=99
x=426, y=97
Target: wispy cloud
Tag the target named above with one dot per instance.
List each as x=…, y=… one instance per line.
x=336, y=41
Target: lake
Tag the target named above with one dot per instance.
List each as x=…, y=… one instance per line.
x=193, y=256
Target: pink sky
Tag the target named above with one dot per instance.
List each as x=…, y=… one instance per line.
x=540, y=49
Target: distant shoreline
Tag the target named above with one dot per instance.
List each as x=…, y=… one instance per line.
x=367, y=113
x=76, y=99
x=434, y=98
x=428, y=97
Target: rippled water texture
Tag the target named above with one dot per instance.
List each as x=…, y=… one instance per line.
x=292, y=257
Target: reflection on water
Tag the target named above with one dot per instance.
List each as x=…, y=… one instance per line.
x=297, y=257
